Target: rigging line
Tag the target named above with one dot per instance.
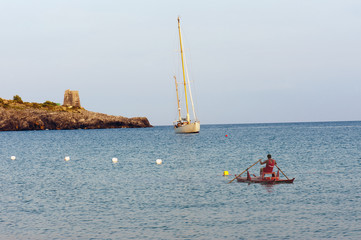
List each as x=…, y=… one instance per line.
x=190, y=91
x=184, y=77
x=184, y=37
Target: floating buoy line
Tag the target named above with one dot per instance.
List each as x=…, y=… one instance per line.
x=114, y=160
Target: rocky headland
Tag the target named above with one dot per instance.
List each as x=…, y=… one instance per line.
x=16, y=115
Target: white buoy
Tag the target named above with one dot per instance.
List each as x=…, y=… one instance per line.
x=12, y=157
x=67, y=158
x=159, y=161
x=114, y=160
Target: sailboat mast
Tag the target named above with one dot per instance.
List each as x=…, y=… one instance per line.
x=176, y=88
x=184, y=77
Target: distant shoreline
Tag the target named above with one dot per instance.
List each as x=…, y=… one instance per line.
x=16, y=115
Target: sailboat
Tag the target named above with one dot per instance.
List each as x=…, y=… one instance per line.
x=184, y=124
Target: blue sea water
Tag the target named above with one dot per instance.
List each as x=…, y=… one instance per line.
x=89, y=197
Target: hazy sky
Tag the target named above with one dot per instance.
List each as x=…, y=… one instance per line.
x=251, y=61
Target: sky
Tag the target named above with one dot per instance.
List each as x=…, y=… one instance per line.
x=250, y=61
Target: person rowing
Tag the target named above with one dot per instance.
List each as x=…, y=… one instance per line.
x=270, y=163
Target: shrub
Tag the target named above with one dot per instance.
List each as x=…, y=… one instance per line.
x=17, y=99
x=35, y=105
x=49, y=104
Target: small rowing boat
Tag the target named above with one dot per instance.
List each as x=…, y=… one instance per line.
x=271, y=178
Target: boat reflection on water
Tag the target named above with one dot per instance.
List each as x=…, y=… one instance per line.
x=268, y=187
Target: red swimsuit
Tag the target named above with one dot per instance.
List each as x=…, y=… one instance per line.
x=269, y=166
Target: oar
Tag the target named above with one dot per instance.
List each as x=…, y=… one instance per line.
x=245, y=171
x=282, y=172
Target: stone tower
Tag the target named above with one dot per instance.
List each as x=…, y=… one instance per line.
x=71, y=98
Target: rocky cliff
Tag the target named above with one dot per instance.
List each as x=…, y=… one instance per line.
x=15, y=116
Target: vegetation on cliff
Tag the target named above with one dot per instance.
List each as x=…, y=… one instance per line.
x=17, y=115
x=17, y=103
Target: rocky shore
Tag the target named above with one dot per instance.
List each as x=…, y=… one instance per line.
x=17, y=116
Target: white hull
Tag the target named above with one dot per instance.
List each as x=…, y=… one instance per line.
x=188, y=128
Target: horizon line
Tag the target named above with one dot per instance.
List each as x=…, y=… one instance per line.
x=324, y=121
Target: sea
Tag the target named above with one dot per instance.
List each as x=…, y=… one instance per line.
x=42, y=196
